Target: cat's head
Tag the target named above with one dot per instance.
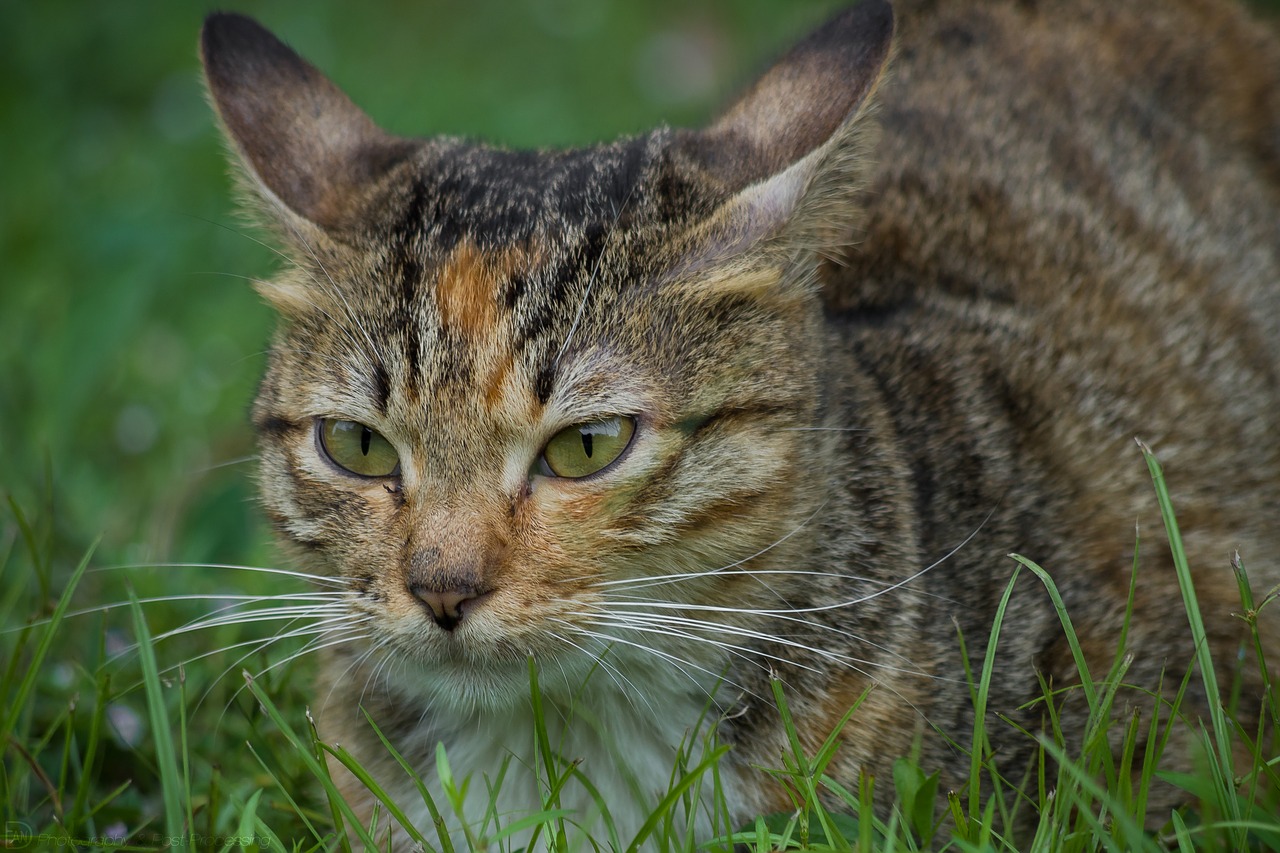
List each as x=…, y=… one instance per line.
x=509, y=386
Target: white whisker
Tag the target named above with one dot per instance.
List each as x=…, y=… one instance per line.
x=346, y=634
x=611, y=670
x=266, y=570
x=163, y=599
x=675, y=660
x=636, y=622
x=266, y=614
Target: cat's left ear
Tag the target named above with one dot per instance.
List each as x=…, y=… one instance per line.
x=310, y=153
x=794, y=147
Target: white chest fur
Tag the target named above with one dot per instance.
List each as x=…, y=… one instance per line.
x=628, y=746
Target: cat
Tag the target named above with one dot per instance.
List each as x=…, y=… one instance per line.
x=675, y=414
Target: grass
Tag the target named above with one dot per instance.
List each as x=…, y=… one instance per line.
x=131, y=344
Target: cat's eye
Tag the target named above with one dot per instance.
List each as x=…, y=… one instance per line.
x=586, y=448
x=356, y=448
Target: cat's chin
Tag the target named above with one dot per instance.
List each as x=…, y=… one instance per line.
x=473, y=683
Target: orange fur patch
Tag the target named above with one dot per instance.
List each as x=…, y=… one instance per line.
x=496, y=380
x=466, y=292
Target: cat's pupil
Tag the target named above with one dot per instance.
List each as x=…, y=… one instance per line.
x=586, y=443
x=366, y=437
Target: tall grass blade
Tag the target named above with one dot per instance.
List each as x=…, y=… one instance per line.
x=34, y=666
x=1217, y=714
x=171, y=786
x=980, y=700
x=312, y=762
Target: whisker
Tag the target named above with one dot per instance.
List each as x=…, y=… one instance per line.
x=679, y=662
x=266, y=570
x=218, y=619
x=383, y=663
x=642, y=583
x=333, y=288
x=358, y=661
x=611, y=670
x=823, y=429
x=229, y=463
x=746, y=653
x=661, y=622
x=787, y=616
x=239, y=233
x=260, y=643
x=162, y=599
x=313, y=645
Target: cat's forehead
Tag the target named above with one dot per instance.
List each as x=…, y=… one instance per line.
x=497, y=197
x=500, y=249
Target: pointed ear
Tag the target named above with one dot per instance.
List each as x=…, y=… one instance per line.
x=794, y=147
x=305, y=146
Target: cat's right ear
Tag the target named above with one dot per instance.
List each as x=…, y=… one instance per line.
x=310, y=153
x=793, y=150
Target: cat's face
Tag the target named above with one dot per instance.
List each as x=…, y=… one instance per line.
x=512, y=389
x=427, y=415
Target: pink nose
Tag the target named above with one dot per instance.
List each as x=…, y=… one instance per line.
x=446, y=606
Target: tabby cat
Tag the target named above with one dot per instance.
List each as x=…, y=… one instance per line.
x=672, y=415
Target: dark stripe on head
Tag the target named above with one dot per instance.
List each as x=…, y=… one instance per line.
x=545, y=382
x=406, y=268
x=581, y=266
x=381, y=386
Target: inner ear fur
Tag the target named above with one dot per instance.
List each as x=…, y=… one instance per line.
x=306, y=147
x=802, y=102
x=793, y=149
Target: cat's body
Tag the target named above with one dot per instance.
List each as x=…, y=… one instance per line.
x=1069, y=237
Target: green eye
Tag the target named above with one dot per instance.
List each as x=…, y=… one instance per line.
x=356, y=448
x=584, y=449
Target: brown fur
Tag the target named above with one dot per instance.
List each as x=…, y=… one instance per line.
x=869, y=353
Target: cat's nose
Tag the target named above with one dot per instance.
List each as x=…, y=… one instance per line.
x=447, y=606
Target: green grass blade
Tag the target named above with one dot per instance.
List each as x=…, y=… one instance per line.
x=248, y=822
x=673, y=796
x=166, y=755
x=1060, y=607
x=34, y=667
x=1271, y=696
x=90, y=754
x=354, y=767
x=1182, y=834
x=980, y=700
x=284, y=791
x=312, y=763
x=542, y=747
x=1217, y=715
x=437, y=819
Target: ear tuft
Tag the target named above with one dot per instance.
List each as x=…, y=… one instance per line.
x=305, y=145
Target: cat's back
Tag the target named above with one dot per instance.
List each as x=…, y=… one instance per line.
x=1072, y=240
x=1038, y=139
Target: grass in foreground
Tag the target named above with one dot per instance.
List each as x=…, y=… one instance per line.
x=107, y=749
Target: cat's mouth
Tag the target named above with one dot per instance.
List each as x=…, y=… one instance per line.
x=470, y=669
